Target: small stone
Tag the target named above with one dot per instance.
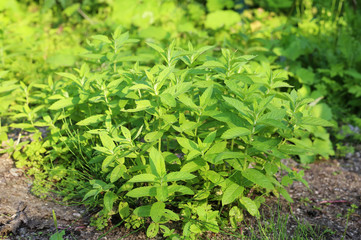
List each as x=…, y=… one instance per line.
x=16, y=172
x=77, y=215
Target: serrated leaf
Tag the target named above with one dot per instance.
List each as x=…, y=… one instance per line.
x=212, y=64
x=206, y=96
x=163, y=75
x=232, y=193
x=168, y=99
x=273, y=123
x=239, y=106
x=258, y=178
x=292, y=149
x=235, y=132
x=316, y=122
x=280, y=84
x=187, y=101
x=92, y=120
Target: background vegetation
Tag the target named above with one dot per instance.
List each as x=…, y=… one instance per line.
x=176, y=110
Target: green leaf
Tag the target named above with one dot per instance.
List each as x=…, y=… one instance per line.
x=101, y=38
x=206, y=96
x=157, y=210
x=123, y=210
x=187, y=101
x=107, y=141
x=153, y=136
x=126, y=133
x=250, y=206
x=316, y=122
x=163, y=76
x=236, y=132
x=239, y=106
x=57, y=235
x=181, y=189
x=143, y=211
x=153, y=230
x=258, y=178
x=143, y=178
x=63, y=103
x=273, y=123
x=179, y=176
x=235, y=216
x=170, y=215
x=141, y=106
x=92, y=120
x=285, y=194
x=157, y=163
x=148, y=191
x=162, y=193
x=117, y=173
x=194, y=165
x=109, y=199
x=187, y=144
x=155, y=47
x=293, y=149
x=168, y=99
x=214, y=177
x=107, y=161
x=210, y=138
x=232, y=193
x=91, y=193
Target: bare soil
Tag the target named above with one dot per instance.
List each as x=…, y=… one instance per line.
x=334, y=186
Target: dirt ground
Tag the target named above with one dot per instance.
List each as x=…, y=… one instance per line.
x=334, y=186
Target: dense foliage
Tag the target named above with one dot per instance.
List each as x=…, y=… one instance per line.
x=188, y=121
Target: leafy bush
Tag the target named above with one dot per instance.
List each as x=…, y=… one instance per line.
x=194, y=132
x=178, y=140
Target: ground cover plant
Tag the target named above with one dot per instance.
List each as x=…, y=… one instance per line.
x=189, y=121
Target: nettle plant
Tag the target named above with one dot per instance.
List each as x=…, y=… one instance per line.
x=192, y=139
